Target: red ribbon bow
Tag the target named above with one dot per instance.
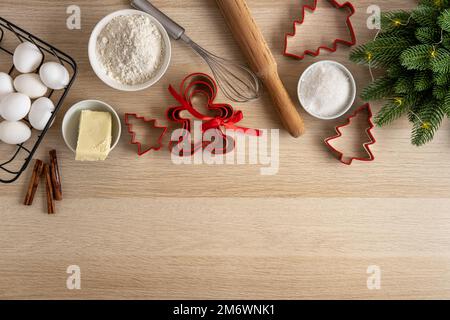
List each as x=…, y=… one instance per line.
x=230, y=124
x=225, y=120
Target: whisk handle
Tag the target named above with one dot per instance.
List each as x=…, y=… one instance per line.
x=173, y=29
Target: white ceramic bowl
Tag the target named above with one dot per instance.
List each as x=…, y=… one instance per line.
x=99, y=70
x=351, y=98
x=71, y=121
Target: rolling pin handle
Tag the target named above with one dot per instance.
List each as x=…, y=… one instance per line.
x=252, y=43
x=173, y=29
x=283, y=104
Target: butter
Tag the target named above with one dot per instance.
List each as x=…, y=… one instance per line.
x=94, y=136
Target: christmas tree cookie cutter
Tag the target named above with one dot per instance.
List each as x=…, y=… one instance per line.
x=334, y=45
x=154, y=124
x=340, y=155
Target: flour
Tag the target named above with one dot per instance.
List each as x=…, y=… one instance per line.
x=325, y=90
x=131, y=49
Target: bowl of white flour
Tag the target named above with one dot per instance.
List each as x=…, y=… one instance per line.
x=326, y=90
x=129, y=50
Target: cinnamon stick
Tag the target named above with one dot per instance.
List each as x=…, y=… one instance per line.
x=34, y=182
x=49, y=189
x=55, y=176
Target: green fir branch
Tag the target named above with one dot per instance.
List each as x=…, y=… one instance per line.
x=417, y=57
x=381, y=52
x=379, y=89
x=390, y=112
x=440, y=92
x=444, y=20
x=414, y=48
x=423, y=80
x=361, y=55
x=428, y=35
x=395, y=20
x=426, y=122
x=440, y=61
x=446, y=105
x=425, y=16
x=441, y=79
x=396, y=70
x=446, y=40
x=435, y=3
x=404, y=84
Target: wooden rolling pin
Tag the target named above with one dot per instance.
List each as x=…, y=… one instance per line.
x=261, y=60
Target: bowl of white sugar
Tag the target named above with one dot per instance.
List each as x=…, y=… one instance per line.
x=326, y=90
x=129, y=50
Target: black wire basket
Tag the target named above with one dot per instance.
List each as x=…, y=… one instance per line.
x=15, y=159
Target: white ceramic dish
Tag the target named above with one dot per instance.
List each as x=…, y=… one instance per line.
x=71, y=122
x=351, y=98
x=99, y=70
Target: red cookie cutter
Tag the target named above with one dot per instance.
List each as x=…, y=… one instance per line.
x=342, y=158
x=225, y=117
x=333, y=48
x=153, y=123
x=202, y=84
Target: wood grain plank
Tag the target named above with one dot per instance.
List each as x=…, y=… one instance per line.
x=146, y=228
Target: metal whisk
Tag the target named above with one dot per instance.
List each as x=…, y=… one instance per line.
x=237, y=82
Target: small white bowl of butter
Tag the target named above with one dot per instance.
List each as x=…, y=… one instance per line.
x=71, y=122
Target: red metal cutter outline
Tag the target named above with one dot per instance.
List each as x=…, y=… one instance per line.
x=333, y=48
x=133, y=134
x=366, y=145
x=203, y=84
x=226, y=116
x=210, y=90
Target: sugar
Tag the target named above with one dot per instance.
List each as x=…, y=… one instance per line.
x=325, y=90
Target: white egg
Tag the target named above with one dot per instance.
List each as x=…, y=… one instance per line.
x=40, y=113
x=30, y=84
x=6, y=84
x=54, y=75
x=14, y=132
x=27, y=57
x=15, y=106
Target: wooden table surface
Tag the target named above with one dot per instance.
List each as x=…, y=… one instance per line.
x=147, y=228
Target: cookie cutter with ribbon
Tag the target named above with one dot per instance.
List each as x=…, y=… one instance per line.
x=198, y=84
x=153, y=122
x=340, y=155
x=333, y=47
